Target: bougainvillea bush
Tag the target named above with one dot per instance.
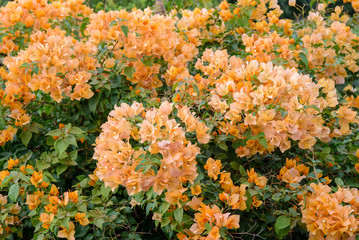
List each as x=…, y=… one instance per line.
x=222, y=123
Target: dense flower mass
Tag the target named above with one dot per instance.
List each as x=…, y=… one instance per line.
x=162, y=158
x=52, y=63
x=139, y=35
x=36, y=15
x=179, y=121
x=331, y=215
x=263, y=98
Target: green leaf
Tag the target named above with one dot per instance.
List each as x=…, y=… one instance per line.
x=73, y=155
x=125, y=29
x=105, y=191
x=61, y=145
x=70, y=139
x=263, y=142
x=223, y=146
x=234, y=165
x=25, y=137
x=282, y=225
x=98, y=222
x=14, y=192
x=165, y=207
x=65, y=222
x=96, y=200
x=129, y=71
x=196, y=89
x=178, y=214
x=243, y=22
x=165, y=222
x=56, y=132
x=2, y=122
x=99, y=6
x=32, y=213
x=339, y=181
x=60, y=169
x=76, y=130
x=93, y=103
x=148, y=61
x=304, y=58
x=146, y=168
x=208, y=226
x=242, y=170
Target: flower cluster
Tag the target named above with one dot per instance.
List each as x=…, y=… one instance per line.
x=331, y=215
x=190, y=121
x=36, y=15
x=269, y=48
x=53, y=63
x=293, y=173
x=327, y=44
x=162, y=157
x=193, y=24
x=260, y=97
x=140, y=35
x=212, y=216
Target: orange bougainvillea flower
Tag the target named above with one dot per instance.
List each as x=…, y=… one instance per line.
x=293, y=173
x=73, y=196
x=63, y=201
x=253, y=178
x=3, y=199
x=46, y=219
x=156, y=127
x=53, y=190
x=50, y=208
x=67, y=233
x=4, y=174
x=12, y=163
x=176, y=196
x=256, y=203
x=213, y=168
x=196, y=190
x=36, y=178
x=330, y=215
x=33, y=200
x=214, y=233
x=80, y=217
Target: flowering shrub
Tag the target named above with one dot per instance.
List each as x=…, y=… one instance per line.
x=221, y=123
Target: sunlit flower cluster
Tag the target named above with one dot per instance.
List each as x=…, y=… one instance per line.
x=148, y=36
x=269, y=48
x=213, y=217
x=161, y=158
x=327, y=43
x=331, y=215
x=37, y=15
x=193, y=24
x=53, y=63
x=293, y=172
x=37, y=195
x=260, y=97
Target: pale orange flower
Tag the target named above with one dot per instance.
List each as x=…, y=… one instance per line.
x=67, y=233
x=213, y=167
x=33, y=201
x=80, y=217
x=46, y=219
